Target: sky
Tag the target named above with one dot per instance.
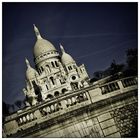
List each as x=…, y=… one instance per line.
x=92, y=33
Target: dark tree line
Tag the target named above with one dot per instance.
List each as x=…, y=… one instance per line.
x=130, y=68
x=7, y=109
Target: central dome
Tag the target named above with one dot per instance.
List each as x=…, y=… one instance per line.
x=42, y=46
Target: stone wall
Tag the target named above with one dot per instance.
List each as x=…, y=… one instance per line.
x=114, y=119
x=107, y=110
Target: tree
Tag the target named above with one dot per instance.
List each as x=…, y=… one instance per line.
x=115, y=68
x=98, y=74
x=120, y=70
x=5, y=109
x=13, y=107
x=132, y=60
x=18, y=103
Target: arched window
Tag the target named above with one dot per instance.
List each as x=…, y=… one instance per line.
x=52, y=80
x=56, y=63
x=39, y=71
x=49, y=96
x=69, y=67
x=47, y=87
x=56, y=93
x=52, y=64
x=41, y=68
x=81, y=70
x=33, y=82
x=48, y=68
x=64, y=90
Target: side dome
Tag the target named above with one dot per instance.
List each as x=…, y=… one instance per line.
x=30, y=72
x=42, y=46
x=66, y=58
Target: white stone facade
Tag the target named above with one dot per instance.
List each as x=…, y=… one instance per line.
x=54, y=74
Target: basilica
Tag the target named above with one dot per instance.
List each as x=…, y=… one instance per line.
x=54, y=74
x=61, y=102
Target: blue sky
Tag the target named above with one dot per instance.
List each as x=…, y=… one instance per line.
x=93, y=33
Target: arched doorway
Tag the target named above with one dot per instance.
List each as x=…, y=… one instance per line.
x=49, y=96
x=64, y=90
x=56, y=93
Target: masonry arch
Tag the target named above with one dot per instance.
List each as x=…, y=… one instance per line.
x=64, y=90
x=49, y=96
x=56, y=93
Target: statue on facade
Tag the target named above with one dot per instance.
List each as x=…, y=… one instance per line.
x=27, y=104
x=80, y=85
x=30, y=97
x=43, y=88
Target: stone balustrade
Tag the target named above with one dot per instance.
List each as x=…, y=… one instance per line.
x=129, y=82
x=68, y=101
x=116, y=85
x=26, y=118
x=109, y=87
x=63, y=103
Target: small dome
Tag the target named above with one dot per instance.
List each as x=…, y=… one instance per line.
x=66, y=58
x=43, y=46
x=30, y=73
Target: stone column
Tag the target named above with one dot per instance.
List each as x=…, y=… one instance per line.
x=120, y=85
